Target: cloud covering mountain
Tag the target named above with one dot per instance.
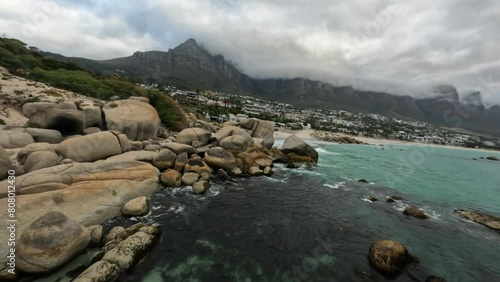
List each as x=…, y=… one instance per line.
x=394, y=46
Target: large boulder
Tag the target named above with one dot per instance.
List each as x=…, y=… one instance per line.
x=136, y=207
x=39, y=160
x=49, y=242
x=389, y=257
x=260, y=129
x=218, y=157
x=164, y=159
x=487, y=220
x=66, y=121
x=138, y=120
x=30, y=109
x=90, y=147
x=415, y=212
x=171, y=178
x=235, y=143
x=189, y=178
x=190, y=135
x=293, y=144
x=231, y=130
x=45, y=135
x=15, y=139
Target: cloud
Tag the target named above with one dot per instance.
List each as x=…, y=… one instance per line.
x=399, y=45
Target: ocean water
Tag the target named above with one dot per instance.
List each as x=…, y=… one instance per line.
x=317, y=225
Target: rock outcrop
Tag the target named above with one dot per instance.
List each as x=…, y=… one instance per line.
x=415, y=212
x=66, y=121
x=293, y=144
x=389, y=257
x=487, y=220
x=91, y=147
x=138, y=120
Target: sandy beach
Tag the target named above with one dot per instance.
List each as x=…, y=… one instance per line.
x=307, y=134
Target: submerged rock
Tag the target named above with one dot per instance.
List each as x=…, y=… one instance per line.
x=415, y=212
x=389, y=257
x=362, y=180
x=372, y=199
x=101, y=271
x=492, y=158
x=487, y=220
x=434, y=279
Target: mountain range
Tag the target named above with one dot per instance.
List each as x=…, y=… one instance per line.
x=189, y=66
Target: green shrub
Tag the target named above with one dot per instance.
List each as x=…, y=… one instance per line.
x=170, y=113
x=2, y=122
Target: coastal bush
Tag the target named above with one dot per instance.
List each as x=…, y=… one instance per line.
x=2, y=122
x=170, y=113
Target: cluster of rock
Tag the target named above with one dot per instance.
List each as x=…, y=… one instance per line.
x=90, y=163
x=335, y=138
x=482, y=218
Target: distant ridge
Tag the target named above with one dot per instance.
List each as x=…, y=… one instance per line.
x=190, y=66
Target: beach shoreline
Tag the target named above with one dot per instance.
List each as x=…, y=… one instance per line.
x=308, y=135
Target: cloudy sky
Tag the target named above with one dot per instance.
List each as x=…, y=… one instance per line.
x=397, y=46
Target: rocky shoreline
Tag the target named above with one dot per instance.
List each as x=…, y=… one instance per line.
x=78, y=165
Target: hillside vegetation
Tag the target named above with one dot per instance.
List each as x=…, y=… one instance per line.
x=23, y=61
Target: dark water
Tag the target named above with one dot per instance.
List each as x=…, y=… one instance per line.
x=306, y=225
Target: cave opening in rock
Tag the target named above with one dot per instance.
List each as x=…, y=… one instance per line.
x=66, y=125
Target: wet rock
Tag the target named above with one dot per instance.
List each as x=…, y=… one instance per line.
x=487, y=220
x=90, y=148
x=114, y=236
x=95, y=234
x=171, y=178
x=49, y=242
x=222, y=175
x=136, y=207
x=372, y=199
x=363, y=180
x=397, y=198
x=201, y=186
x=492, y=158
x=254, y=171
x=390, y=200
x=268, y=171
x=297, y=161
x=45, y=135
x=144, y=124
x=189, y=178
x=236, y=171
x=415, y=212
x=129, y=251
x=101, y=271
x=389, y=257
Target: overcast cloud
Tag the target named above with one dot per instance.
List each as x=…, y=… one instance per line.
x=398, y=46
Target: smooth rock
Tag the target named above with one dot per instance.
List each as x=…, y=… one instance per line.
x=66, y=121
x=93, y=115
x=45, y=135
x=95, y=234
x=179, y=148
x=90, y=148
x=143, y=156
x=91, y=130
x=136, y=207
x=152, y=147
x=25, y=152
x=101, y=271
x=138, y=120
x=222, y=175
x=164, y=159
x=201, y=186
x=171, y=178
x=49, y=242
x=15, y=139
x=39, y=160
x=5, y=163
x=235, y=143
x=254, y=171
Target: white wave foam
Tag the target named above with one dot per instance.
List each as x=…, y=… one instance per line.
x=333, y=186
x=326, y=152
x=176, y=209
x=366, y=200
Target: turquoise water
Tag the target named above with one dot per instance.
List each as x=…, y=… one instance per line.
x=317, y=225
